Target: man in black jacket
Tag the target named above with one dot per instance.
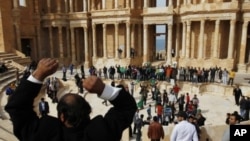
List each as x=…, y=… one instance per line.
x=73, y=122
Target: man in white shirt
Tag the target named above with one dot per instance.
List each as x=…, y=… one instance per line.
x=183, y=131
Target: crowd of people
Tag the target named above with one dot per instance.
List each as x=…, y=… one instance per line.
x=170, y=106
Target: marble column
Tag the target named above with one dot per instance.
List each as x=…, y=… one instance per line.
x=49, y=6
x=116, y=4
x=127, y=3
x=243, y=43
x=88, y=5
x=51, y=41
x=94, y=40
x=128, y=46
x=66, y=6
x=92, y=5
x=139, y=48
x=188, y=39
x=73, y=48
x=133, y=36
x=169, y=55
x=58, y=6
x=145, y=4
x=38, y=32
x=104, y=27
x=216, y=39
x=86, y=47
x=184, y=27
x=201, y=41
x=71, y=6
x=132, y=4
x=231, y=39
x=60, y=41
x=68, y=40
x=178, y=3
x=145, y=43
x=15, y=4
x=85, y=6
x=170, y=2
x=177, y=48
x=103, y=4
x=116, y=40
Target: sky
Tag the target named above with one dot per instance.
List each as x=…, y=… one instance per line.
x=160, y=28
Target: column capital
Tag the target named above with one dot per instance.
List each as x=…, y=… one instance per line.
x=145, y=26
x=188, y=23
x=245, y=24
x=217, y=22
x=233, y=21
x=104, y=25
x=93, y=25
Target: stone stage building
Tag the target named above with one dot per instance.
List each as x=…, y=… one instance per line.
x=202, y=33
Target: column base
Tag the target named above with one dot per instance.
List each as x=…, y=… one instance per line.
x=86, y=64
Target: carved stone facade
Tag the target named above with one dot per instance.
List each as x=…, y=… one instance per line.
x=203, y=33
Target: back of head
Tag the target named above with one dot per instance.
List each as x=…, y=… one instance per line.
x=155, y=118
x=74, y=108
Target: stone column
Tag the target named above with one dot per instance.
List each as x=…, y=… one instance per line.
x=73, y=49
x=243, y=43
x=16, y=4
x=38, y=32
x=94, y=40
x=66, y=6
x=133, y=36
x=60, y=41
x=145, y=43
x=58, y=8
x=145, y=4
x=128, y=40
x=184, y=27
x=188, y=39
x=127, y=3
x=178, y=3
x=85, y=6
x=51, y=41
x=188, y=1
x=49, y=6
x=231, y=39
x=88, y=5
x=132, y=4
x=169, y=55
x=116, y=40
x=116, y=4
x=71, y=6
x=86, y=47
x=139, y=49
x=92, y=5
x=201, y=43
x=104, y=26
x=18, y=36
x=170, y=2
x=177, y=48
x=68, y=41
x=103, y=4
x=36, y=6
x=216, y=39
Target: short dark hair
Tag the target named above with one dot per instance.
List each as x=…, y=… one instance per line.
x=155, y=118
x=74, y=108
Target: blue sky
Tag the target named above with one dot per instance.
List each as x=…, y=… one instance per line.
x=160, y=28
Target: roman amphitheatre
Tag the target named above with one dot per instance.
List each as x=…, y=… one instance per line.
x=198, y=33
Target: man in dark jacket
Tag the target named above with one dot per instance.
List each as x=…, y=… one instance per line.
x=43, y=107
x=73, y=122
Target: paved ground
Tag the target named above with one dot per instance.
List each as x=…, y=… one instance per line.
x=214, y=106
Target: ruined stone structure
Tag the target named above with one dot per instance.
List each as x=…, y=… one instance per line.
x=203, y=33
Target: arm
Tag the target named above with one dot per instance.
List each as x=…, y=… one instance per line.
x=20, y=106
x=121, y=115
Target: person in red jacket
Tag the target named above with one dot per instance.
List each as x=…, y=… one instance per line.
x=155, y=130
